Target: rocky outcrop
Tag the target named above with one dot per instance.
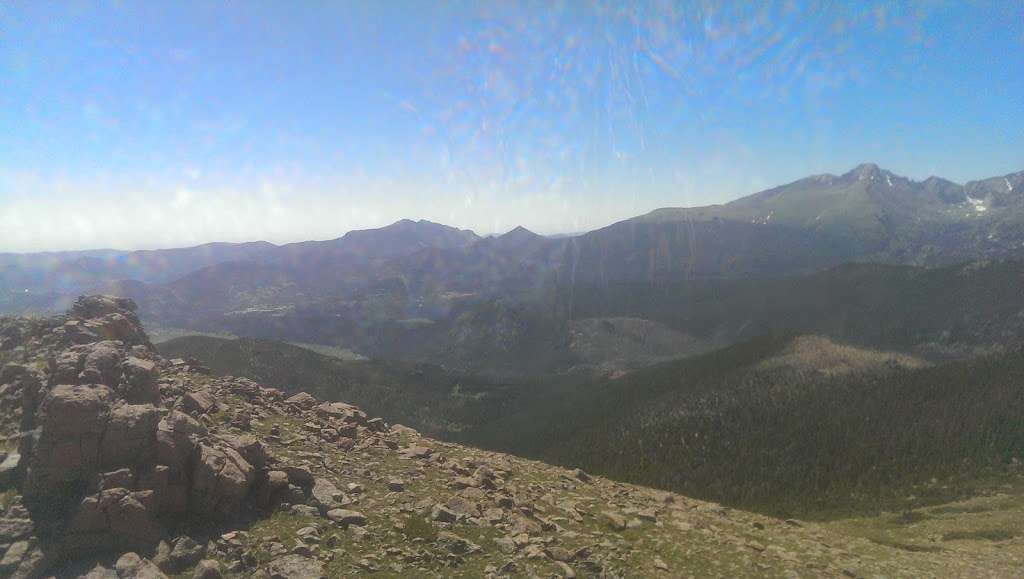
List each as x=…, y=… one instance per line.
x=104, y=460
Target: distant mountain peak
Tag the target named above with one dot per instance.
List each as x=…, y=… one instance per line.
x=866, y=171
x=403, y=224
x=519, y=232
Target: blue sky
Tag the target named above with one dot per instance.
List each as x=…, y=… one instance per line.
x=159, y=124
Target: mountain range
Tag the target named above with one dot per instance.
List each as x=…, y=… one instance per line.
x=523, y=303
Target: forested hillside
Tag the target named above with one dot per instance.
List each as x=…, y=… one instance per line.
x=738, y=427
x=787, y=425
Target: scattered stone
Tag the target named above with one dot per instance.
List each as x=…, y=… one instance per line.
x=295, y=567
x=207, y=569
x=442, y=514
x=198, y=402
x=100, y=572
x=15, y=528
x=402, y=429
x=12, y=558
x=304, y=511
x=346, y=517
x=580, y=475
x=505, y=545
x=567, y=571
x=558, y=554
x=616, y=521
x=463, y=506
x=415, y=452
x=184, y=554
x=456, y=544
x=131, y=566
x=8, y=468
x=302, y=400
x=324, y=494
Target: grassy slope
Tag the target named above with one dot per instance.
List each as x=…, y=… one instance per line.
x=689, y=537
x=419, y=395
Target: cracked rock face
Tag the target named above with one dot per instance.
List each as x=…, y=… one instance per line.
x=72, y=420
x=221, y=480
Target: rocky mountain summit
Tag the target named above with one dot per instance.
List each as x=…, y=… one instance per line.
x=118, y=463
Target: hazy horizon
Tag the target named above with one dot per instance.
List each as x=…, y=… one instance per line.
x=143, y=126
x=417, y=218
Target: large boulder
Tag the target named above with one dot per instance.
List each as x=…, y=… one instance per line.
x=66, y=365
x=75, y=332
x=70, y=410
x=251, y=449
x=198, y=402
x=130, y=437
x=119, y=327
x=302, y=400
x=139, y=385
x=170, y=490
x=269, y=488
x=113, y=518
x=177, y=443
x=71, y=421
x=220, y=483
x=176, y=557
x=102, y=364
x=176, y=438
x=342, y=412
x=131, y=566
x=324, y=495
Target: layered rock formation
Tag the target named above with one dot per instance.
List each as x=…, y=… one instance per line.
x=113, y=444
